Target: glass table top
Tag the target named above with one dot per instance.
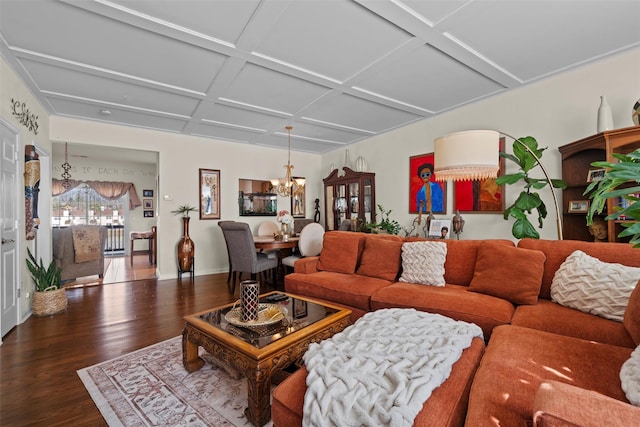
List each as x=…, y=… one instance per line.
x=298, y=315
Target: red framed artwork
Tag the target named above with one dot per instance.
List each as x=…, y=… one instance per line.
x=432, y=197
x=483, y=196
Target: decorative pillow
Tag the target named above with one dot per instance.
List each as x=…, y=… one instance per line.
x=630, y=377
x=380, y=258
x=340, y=251
x=508, y=272
x=590, y=285
x=423, y=263
x=631, y=319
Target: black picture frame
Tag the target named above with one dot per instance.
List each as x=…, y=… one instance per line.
x=148, y=214
x=147, y=193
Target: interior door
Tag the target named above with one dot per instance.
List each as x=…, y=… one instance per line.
x=8, y=228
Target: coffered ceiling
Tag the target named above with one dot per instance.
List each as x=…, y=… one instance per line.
x=338, y=71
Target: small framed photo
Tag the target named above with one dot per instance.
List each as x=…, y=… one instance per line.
x=299, y=309
x=578, y=206
x=147, y=193
x=148, y=214
x=439, y=229
x=595, y=175
x=147, y=203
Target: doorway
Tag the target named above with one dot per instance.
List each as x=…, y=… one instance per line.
x=100, y=163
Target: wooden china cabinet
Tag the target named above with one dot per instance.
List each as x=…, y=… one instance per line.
x=349, y=196
x=576, y=164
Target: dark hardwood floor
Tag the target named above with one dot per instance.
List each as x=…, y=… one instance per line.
x=39, y=385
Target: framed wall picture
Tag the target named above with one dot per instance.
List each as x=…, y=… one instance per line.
x=424, y=190
x=482, y=196
x=147, y=203
x=297, y=199
x=209, y=194
x=148, y=214
x=147, y=193
x=578, y=206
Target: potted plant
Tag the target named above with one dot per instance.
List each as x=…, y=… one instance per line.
x=386, y=225
x=618, y=182
x=184, y=210
x=49, y=296
x=186, y=248
x=528, y=200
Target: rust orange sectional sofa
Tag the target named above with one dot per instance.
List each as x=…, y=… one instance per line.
x=538, y=353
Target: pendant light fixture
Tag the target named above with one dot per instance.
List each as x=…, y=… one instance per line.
x=66, y=166
x=287, y=186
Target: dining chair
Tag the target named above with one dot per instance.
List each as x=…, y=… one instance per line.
x=228, y=253
x=268, y=229
x=310, y=244
x=242, y=253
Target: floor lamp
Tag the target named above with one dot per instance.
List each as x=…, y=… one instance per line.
x=473, y=155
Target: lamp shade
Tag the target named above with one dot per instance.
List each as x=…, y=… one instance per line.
x=468, y=155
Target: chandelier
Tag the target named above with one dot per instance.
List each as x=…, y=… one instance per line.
x=66, y=166
x=289, y=185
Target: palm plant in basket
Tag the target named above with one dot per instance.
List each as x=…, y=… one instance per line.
x=49, y=296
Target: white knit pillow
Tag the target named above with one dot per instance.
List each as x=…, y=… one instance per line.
x=590, y=285
x=630, y=377
x=423, y=263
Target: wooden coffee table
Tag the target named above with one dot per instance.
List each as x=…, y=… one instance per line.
x=259, y=352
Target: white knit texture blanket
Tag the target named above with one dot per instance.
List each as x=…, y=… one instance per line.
x=380, y=370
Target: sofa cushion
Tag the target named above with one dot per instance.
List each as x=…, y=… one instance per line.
x=514, y=274
x=446, y=407
x=631, y=319
x=349, y=289
x=557, y=251
x=423, y=263
x=590, y=285
x=630, y=377
x=551, y=317
x=518, y=359
x=453, y=301
x=340, y=251
x=380, y=258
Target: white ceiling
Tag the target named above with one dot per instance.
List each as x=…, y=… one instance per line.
x=338, y=71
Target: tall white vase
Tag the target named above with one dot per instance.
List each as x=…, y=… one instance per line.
x=605, y=117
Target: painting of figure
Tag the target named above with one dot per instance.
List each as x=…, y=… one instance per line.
x=424, y=190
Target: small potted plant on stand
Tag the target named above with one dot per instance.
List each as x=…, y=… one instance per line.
x=49, y=296
x=186, y=247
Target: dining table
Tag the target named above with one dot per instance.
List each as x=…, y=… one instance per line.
x=282, y=248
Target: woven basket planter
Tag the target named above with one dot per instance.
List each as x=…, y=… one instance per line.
x=49, y=302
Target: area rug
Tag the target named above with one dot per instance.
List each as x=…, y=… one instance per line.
x=150, y=387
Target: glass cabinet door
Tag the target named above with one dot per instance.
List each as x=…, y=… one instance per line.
x=342, y=208
x=367, y=201
x=354, y=202
x=329, y=201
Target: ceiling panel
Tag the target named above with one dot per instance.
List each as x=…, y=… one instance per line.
x=88, y=86
x=339, y=71
x=530, y=39
x=355, y=38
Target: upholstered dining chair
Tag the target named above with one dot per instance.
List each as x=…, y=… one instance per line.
x=310, y=244
x=242, y=253
x=267, y=228
x=228, y=253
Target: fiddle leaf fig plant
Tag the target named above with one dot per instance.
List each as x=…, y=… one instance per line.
x=618, y=182
x=529, y=200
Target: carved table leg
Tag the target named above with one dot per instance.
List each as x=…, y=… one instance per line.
x=259, y=397
x=190, y=359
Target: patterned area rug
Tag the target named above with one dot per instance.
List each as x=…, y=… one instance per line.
x=150, y=387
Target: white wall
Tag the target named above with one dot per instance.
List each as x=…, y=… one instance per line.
x=556, y=111
x=180, y=157
x=12, y=87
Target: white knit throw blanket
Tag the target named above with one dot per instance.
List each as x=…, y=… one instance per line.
x=380, y=370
